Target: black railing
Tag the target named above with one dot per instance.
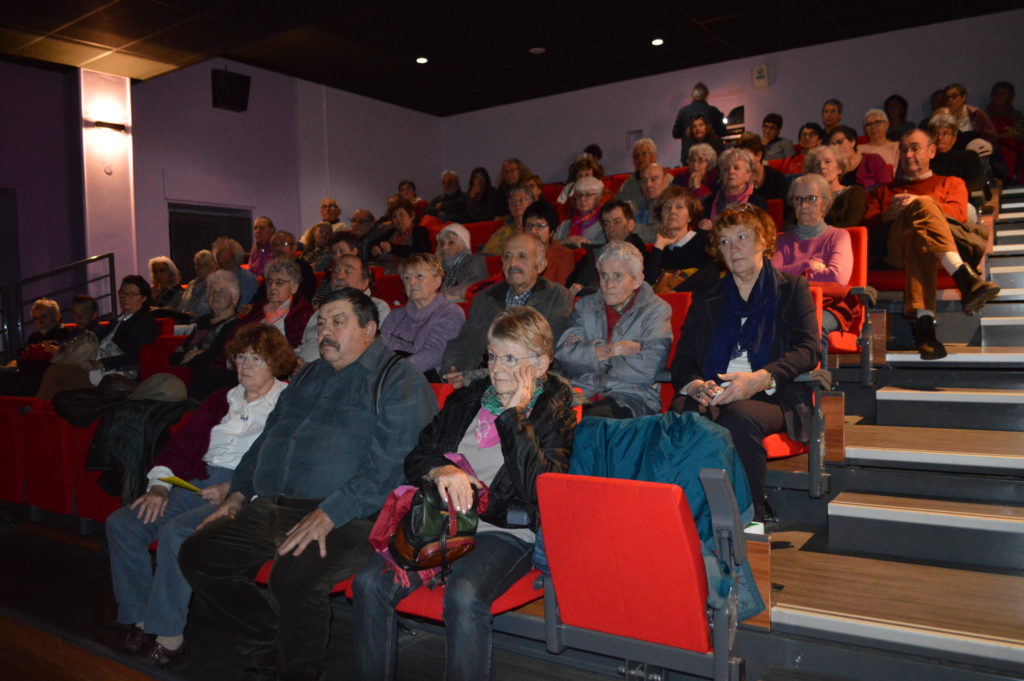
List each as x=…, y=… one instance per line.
x=61, y=283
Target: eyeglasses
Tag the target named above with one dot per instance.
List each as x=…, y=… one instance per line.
x=871, y=124
x=809, y=200
x=587, y=195
x=278, y=282
x=508, y=360
x=537, y=225
x=254, y=360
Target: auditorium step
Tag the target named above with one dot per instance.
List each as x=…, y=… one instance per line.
x=972, y=617
x=1004, y=250
x=967, y=356
x=1010, y=236
x=972, y=534
x=1001, y=331
x=1007, y=276
x=991, y=452
x=941, y=407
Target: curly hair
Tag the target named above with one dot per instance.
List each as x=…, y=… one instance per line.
x=268, y=343
x=746, y=215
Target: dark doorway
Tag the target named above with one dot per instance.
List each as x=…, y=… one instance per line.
x=10, y=270
x=193, y=228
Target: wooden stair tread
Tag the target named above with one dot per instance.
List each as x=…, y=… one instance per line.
x=980, y=605
x=1004, y=443
x=940, y=506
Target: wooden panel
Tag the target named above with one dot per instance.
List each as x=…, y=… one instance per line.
x=833, y=406
x=957, y=602
x=997, y=442
x=759, y=555
x=792, y=464
x=932, y=506
x=879, y=336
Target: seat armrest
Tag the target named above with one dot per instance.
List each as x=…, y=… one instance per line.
x=867, y=294
x=821, y=378
x=725, y=516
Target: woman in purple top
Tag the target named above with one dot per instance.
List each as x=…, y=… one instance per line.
x=421, y=329
x=813, y=249
x=867, y=170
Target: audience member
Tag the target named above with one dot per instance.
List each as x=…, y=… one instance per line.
x=583, y=166
x=645, y=152
x=618, y=223
x=165, y=289
x=909, y=218
x=509, y=428
x=86, y=313
x=229, y=256
x=848, y=202
x=876, y=127
x=1009, y=125
x=536, y=187
x=775, y=147
x=594, y=150
x=407, y=191
x=768, y=182
x=680, y=248
x=193, y=300
x=450, y=204
x=617, y=341
x=867, y=170
x=330, y=212
x=969, y=117
x=701, y=173
x=736, y=172
x=810, y=136
x=421, y=329
x=304, y=493
x=404, y=238
x=541, y=220
x=316, y=245
x=362, y=220
x=284, y=307
x=896, y=109
x=522, y=262
x=284, y=247
x=203, y=350
x=152, y=607
x=518, y=200
x=701, y=131
x=653, y=181
x=831, y=117
x=121, y=341
x=949, y=160
x=481, y=197
x=699, y=106
x=462, y=267
x=512, y=173
x=262, y=253
x=351, y=271
x=583, y=225
x=22, y=376
x=341, y=243
x=744, y=341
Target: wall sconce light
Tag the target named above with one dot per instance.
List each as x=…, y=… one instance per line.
x=117, y=127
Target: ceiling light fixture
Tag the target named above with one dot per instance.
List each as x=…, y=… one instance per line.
x=421, y=60
x=537, y=50
x=657, y=42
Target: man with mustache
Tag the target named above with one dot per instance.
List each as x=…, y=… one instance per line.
x=305, y=491
x=522, y=262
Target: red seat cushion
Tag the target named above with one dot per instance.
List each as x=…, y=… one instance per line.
x=779, y=446
x=429, y=603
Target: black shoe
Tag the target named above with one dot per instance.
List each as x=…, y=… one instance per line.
x=131, y=639
x=158, y=656
x=924, y=337
x=975, y=292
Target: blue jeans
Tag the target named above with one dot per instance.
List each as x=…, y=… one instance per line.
x=159, y=599
x=475, y=582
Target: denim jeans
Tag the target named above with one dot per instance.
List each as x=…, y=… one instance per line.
x=475, y=582
x=159, y=599
x=285, y=627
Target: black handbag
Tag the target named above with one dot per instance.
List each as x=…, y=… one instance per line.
x=433, y=534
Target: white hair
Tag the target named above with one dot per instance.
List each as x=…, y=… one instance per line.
x=645, y=142
x=626, y=252
x=227, y=280
x=586, y=184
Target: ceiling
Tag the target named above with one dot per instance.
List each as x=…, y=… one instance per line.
x=478, y=52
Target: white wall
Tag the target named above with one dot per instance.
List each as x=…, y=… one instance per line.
x=547, y=133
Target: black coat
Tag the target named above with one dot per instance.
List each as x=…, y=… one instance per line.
x=138, y=330
x=534, y=444
x=796, y=346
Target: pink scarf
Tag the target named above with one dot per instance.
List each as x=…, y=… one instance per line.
x=579, y=223
x=724, y=199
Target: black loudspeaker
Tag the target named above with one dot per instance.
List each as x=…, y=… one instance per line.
x=230, y=90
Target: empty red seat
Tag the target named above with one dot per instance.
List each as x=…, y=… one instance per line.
x=480, y=232
x=389, y=288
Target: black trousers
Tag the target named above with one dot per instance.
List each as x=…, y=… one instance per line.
x=287, y=625
x=607, y=408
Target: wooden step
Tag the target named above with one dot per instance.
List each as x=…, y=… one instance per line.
x=961, y=355
x=946, y=613
x=941, y=407
x=991, y=452
x=984, y=535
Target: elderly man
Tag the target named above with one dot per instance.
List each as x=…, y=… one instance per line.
x=522, y=262
x=450, y=204
x=644, y=154
x=304, y=494
x=699, y=105
x=361, y=221
x=262, y=252
x=330, y=212
x=229, y=254
x=42, y=344
x=541, y=220
x=462, y=267
x=653, y=181
x=283, y=245
x=774, y=145
x=913, y=216
x=618, y=224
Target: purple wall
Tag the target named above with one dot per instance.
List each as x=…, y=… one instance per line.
x=40, y=158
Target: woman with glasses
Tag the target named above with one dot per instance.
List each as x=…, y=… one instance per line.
x=153, y=606
x=849, y=203
x=122, y=339
x=814, y=250
x=510, y=426
x=876, y=126
x=744, y=341
x=284, y=308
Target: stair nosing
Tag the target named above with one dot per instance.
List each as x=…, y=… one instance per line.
x=922, y=456
x=890, y=393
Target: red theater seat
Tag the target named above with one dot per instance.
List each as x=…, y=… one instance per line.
x=389, y=288
x=480, y=232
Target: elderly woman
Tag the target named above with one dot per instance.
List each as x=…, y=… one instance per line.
x=876, y=126
x=462, y=267
x=701, y=173
x=121, y=341
x=193, y=300
x=867, y=170
x=680, y=248
x=165, y=290
x=813, y=249
x=849, y=202
x=744, y=341
x=616, y=342
x=585, y=165
x=519, y=199
x=284, y=307
x=951, y=161
x=421, y=329
x=153, y=606
x=204, y=348
x=736, y=173
x=583, y=226
x=316, y=246
x=481, y=199
x=404, y=238
x=511, y=426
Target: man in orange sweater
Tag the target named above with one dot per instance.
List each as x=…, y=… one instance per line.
x=911, y=214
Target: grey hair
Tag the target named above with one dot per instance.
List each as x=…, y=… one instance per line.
x=700, y=91
x=445, y=173
x=645, y=142
x=812, y=159
x=227, y=280
x=589, y=183
x=876, y=112
x=205, y=256
x=47, y=304
x=237, y=252
x=705, y=151
x=818, y=183
x=285, y=266
x=626, y=252
x=521, y=188
x=733, y=154
x=942, y=120
x=163, y=259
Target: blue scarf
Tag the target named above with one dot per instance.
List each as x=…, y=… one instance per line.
x=755, y=336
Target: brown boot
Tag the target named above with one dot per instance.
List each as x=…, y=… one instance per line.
x=928, y=345
x=975, y=292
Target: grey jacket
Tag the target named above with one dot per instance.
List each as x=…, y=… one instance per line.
x=628, y=379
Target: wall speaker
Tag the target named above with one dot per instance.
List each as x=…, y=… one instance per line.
x=230, y=90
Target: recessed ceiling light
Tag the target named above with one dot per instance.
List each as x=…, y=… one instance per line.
x=421, y=60
x=537, y=50
x=657, y=42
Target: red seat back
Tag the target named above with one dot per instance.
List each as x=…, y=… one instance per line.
x=156, y=356
x=550, y=192
x=389, y=288
x=441, y=392
x=680, y=304
x=775, y=209
x=480, y=232
x=614, y=182
x=493, y=265
x=677, y=171
x=599, y=534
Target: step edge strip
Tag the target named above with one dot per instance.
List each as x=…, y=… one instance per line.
x=998, y=397
x=980, y=459
x=967, y=520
